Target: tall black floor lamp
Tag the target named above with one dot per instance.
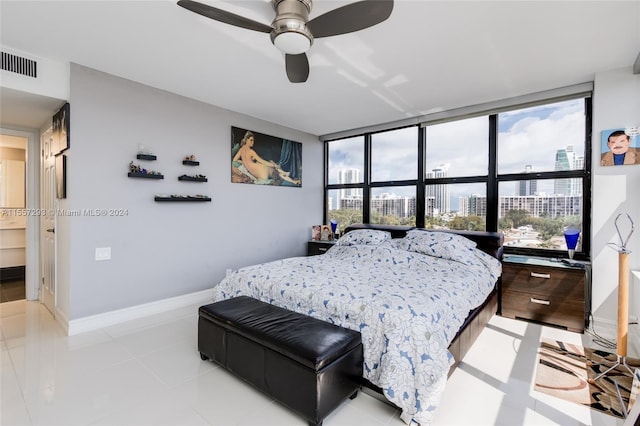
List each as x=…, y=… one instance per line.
x=623, y=306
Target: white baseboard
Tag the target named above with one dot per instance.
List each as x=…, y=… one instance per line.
x=604, y=327
x=95, y=322
x=608, y=329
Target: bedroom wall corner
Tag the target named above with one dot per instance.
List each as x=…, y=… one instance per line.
x=165, y=250
x=616, y=103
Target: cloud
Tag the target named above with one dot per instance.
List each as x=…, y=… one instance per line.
x=529, y=136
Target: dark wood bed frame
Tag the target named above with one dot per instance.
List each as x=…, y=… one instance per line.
x=489, y=242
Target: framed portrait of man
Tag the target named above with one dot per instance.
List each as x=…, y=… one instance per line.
x=620, y=146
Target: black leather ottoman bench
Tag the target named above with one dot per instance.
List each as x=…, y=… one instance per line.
x=309, y=365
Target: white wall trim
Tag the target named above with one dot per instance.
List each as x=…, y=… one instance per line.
x=106, y=319
x=32, y=201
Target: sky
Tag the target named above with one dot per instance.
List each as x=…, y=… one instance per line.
x=528, y=136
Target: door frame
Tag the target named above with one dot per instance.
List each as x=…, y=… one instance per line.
x=32, y=254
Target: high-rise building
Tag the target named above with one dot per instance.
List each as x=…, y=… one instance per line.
x=439, y=192
x=477, y=205
x=528, y=187
x=463, y=206
x=566, y=159
x=348, y=176
x=389, y=204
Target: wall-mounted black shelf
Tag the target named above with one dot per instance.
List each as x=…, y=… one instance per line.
x=192, y=179
x=145, y=175
x=148, y=157
x=182, y=198
x=190, y=163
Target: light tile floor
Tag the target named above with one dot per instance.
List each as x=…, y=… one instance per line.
x=149, y=372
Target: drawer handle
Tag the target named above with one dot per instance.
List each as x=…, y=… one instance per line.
x=537, y=275
x=322, y=249
x=540, y=302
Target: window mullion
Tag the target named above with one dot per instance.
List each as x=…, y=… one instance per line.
x=421, y=208
x=366, y=190
x=492, y=181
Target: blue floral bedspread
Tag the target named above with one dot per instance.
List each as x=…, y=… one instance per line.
x=408, y=307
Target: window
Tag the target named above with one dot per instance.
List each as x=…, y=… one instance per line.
x=343, y=208
x=459, y=148
x=537, y=146
x=393, y=205
x=346, y=172
x=394, y=155
x=346, y=161
x=521, y=170
x=466, y=206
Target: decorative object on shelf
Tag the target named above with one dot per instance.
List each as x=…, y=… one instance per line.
x=190, y=160
x=144, y=153
x=265, y=160
x=315, y=232
x=61, y=133
x=620, y=147
x=322, y=233
x=571, y=237
x=194, y=178
x=179, y=197
x=325, y=233
x=137, y=171
x=623, y=299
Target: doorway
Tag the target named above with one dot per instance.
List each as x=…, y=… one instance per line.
x=13, y=155
x=25, y=246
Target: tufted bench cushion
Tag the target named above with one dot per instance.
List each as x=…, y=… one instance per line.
x=309, y=365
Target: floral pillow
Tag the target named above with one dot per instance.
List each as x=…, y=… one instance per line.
x=364, y=237
x=443, y=245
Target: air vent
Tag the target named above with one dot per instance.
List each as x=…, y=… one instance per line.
x=19, y=65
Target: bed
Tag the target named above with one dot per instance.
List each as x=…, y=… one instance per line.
x=418, y=297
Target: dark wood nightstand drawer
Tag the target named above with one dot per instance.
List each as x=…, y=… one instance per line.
x=318, y=247
x=561, y=283
x=554, y=310
x=544, y=291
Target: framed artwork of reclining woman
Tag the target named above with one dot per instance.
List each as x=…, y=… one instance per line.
x=261, y=159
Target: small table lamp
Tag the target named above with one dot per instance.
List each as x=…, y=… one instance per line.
x=334, y=227
x=571, y=236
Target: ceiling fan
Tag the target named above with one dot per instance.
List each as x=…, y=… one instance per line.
x=293, y=33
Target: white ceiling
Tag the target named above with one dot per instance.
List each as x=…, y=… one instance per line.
x=427, y=57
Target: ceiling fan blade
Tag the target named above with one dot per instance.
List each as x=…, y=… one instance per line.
x=352, y=17
x=297, y=67
x=224, y=16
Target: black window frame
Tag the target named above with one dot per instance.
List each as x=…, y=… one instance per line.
x=492, y=179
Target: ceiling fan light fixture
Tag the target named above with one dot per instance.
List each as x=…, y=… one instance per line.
x=293, y=33
x=292, y=42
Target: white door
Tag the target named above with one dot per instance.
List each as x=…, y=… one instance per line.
x=48, y=204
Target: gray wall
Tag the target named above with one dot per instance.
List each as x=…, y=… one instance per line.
x=162, y=250
x=615, y=190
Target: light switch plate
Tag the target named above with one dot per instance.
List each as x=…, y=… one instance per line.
x=103, y=253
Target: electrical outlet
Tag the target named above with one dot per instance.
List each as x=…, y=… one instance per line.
x=103, y=253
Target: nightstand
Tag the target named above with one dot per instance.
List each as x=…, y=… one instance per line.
x=546, y=291
x=315, y=247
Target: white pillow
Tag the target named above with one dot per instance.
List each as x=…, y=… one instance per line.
x=364, y=237
x=443, y=245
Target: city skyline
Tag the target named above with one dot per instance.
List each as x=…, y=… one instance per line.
x=565, y=200
x=529, y=136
